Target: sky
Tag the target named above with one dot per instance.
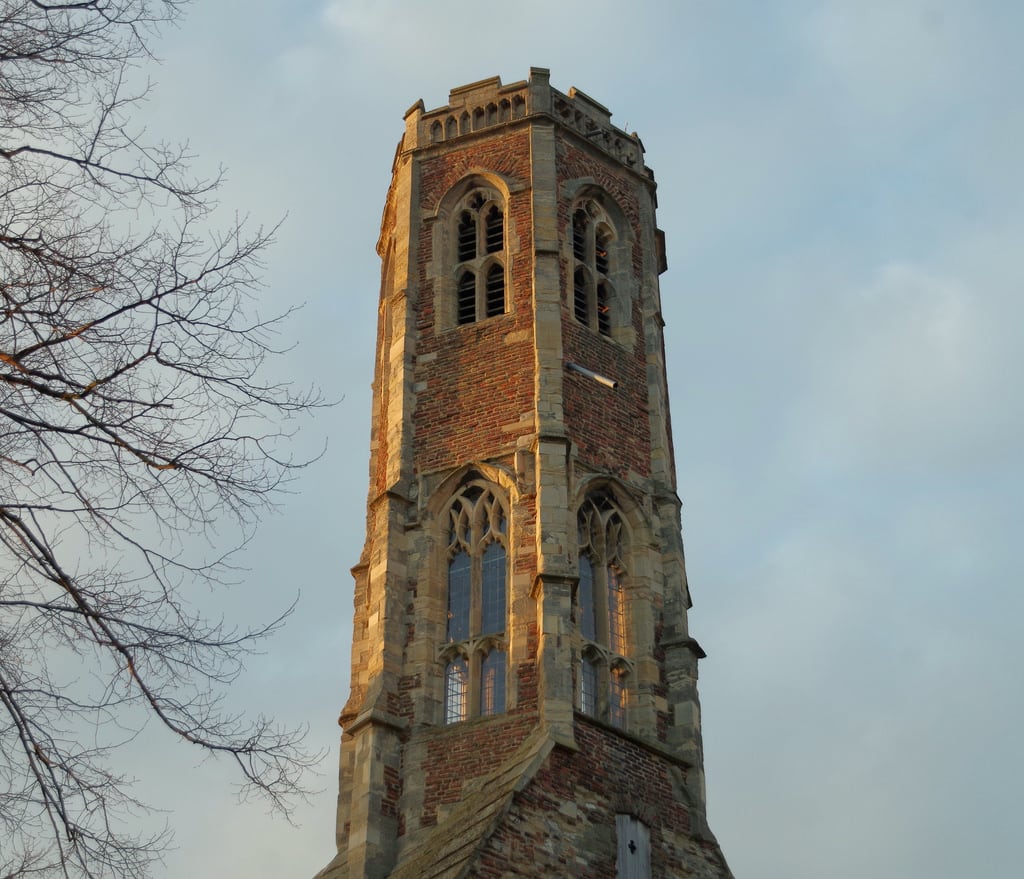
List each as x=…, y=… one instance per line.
x=842, y=193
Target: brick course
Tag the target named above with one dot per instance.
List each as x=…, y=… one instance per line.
x=533, y=791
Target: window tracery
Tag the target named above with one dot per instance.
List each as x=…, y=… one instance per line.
x=479, y=264
x=601, y=612
x=475, y=653
x=592, y=240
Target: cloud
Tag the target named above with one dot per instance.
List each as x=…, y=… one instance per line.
x=842, y=195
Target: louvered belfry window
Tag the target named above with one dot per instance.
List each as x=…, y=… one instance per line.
x=479, y=257
x=592, y=289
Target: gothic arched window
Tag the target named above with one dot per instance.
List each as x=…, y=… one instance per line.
x=592, y=293
x=475, y=654
x=479, y=246
x=601, y=612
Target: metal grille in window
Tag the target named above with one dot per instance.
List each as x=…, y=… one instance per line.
x=602, y=611
x=495, y=291
x=588, y=687
x=492, y=683
x=492, y=613
x=477, y=605
x=456, y=687
x=458, y=597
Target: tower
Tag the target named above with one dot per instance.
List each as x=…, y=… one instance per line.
x=523, y=697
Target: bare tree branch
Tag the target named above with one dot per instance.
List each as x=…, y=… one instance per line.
x=134, y=414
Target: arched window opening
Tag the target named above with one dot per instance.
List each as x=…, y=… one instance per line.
x=464, y=123
x=579, y=235
x=458, y=597
x=477, y=602
x=478, y=118
x=604, y=309
x=588, y=687
x=495, y=291
x=436, y=132
x=479, y=237
x=592, y=240
x=456, y=688
x=451, y=126
x=492, y=683
x=466, y=305
x=580, y=298
x=504, y=110
x=494, y=230
x=466, y=237
x=617, y=698
x=601, y=612
x=492, y=615
x=602, y=241
x=616, y=611
x=585, y=600
x=492, y=114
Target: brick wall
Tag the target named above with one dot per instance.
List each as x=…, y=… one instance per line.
x=611, y=428
x=563, y=823
x=465, y=751
x=481, y=381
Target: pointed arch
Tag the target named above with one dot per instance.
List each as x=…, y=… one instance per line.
x=470, y=231
x=599, y=248
x=602, y=608
x=474, y=520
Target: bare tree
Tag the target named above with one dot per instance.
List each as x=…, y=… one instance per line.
x=133, y=413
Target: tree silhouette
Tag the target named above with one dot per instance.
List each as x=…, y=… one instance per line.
x=133, y=415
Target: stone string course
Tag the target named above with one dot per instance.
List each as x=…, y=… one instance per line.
x=533, y=791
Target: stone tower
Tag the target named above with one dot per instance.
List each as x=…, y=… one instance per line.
x=524, y=696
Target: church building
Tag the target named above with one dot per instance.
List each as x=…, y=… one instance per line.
x=524, y=685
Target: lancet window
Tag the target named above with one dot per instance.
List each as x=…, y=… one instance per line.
x=601, y=612
x=592, y=290
x=475, y=652
x=479, y=249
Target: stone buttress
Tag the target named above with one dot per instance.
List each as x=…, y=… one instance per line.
x=523, y=698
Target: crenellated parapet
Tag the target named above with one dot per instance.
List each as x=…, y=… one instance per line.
x=524, y=682
x=487, y=104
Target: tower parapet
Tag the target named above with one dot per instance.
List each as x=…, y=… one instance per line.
x=482, y=105
x=524, y=696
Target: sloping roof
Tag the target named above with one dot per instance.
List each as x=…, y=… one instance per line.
x=447, y=850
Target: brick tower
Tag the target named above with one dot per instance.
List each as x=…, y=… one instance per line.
x=524, y=696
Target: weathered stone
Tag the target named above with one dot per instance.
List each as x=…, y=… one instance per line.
x=521, y=361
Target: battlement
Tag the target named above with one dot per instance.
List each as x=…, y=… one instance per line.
x=522, y=668
x=487, y=104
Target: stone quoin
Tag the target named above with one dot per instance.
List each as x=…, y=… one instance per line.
x=524, y=686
